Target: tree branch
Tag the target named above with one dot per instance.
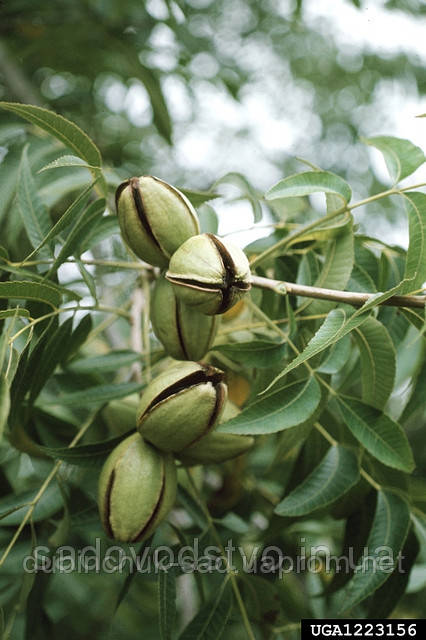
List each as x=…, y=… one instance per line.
x=348, y=297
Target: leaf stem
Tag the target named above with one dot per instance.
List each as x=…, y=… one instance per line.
x=369, y=479
x=325, y=434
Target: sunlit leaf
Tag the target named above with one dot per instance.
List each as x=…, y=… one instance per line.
x=31, y=291
x=67, y=161
x=415, y=266
x=402, y=157
x=64, y=130
x=308, y=182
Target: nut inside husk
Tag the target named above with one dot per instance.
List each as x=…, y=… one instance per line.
x=185, y=333
x=215, y=447
x=137, y=488
x=209, y=274
x=181, y=405
x=155, y=218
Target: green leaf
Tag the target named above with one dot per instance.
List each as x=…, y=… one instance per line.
x=146, y=544
x=336, y=270
x=337, y=357
x=88, y=279
x=102, y=364
x=378, y=362
x=334, y=327
x=207, y=217
x=323, y=338
x=67, y=161
x=4, y=403
x=79, y=335
x=416, y=317
x=211, y=620
x=197, y=198
x=419, y=521
x=35, y=216
x=337, y=472
x=31, y=291
x=415, y=264
x=49, y=503
x=255, y=353
x=65, y=219
x=192, y=507
x=280, y=409
x=167, y=603
x=233, y=522
x=93, y=395
x=106, y=227
x=160, y=111
x=357, y=529
x=85, y=455
x=386, y=598
x=388, y=532
x=378, y=433
x=10, y=313
x=33, y=276
x=83, y=224
x=402, y=157
x=308, y=182
x=62, y=129
x=326, y=230
x=361, y=281
x=247, y=191
x=51, y=356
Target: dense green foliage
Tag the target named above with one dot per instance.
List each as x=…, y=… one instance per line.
x=333, y=393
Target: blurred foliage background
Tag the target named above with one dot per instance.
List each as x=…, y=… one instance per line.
x=191, y=90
